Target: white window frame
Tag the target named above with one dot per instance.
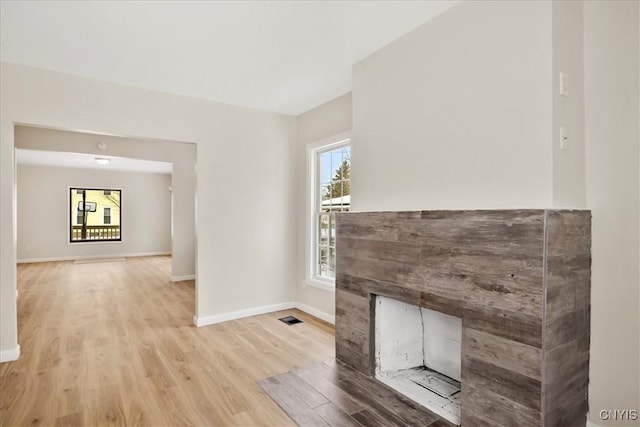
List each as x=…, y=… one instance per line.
x=311, y=231
x=101, y=242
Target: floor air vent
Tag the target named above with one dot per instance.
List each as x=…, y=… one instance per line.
x=290, y=320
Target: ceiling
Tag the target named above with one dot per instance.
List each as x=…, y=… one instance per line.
x=281, y=56
x=87, y=161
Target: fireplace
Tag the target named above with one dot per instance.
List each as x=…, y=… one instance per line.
x=517, y=284
x=418, y=354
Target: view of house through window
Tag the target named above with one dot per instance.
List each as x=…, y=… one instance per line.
x=333, y=194
x=94, y=215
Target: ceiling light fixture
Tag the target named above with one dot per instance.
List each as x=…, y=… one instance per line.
x=102, y=160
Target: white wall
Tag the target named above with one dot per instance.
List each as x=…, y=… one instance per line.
x=457, y=113
x=612, y=74
x=323, y=122
x=181, y=155
x=245, y=183
x=569, y=185
x=43, y=212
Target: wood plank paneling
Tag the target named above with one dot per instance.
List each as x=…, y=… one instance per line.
x=501, y=410
x=445, y=305
x=520, y=358
x=402, y=252
x=567, y=318
x=512, y=325
x=521, y=389
x=352, y=330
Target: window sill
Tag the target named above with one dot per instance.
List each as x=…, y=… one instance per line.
x=321, y=284
x=95, y=242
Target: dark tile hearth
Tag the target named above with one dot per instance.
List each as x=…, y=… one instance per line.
x=333, y=394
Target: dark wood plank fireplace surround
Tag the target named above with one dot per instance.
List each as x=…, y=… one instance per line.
x=520, y=281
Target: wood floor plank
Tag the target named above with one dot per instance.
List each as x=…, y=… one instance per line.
x=316, y=376
x=121, y=349
x=335, y=416
x=372, y=418
x=71, y=420
x=304, y=391
x=291, y=403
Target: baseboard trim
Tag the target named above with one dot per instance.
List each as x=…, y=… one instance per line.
x=10, y=355
x=233, y=315
x=316, y=313
x=592, y=424
x=81, y=257
x=183, y=278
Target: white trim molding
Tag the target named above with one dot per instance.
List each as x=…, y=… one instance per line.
x=73, y=258
x=592, y=424
x=10, y=355
x=233, y=315
x=325, y=286
x=316, y=313
x=183, y=278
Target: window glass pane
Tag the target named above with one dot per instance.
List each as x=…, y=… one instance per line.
x=332, y=230
x=325, y=192
x=323, y=229
x=323, y=253
x=333, y=169
x=336, y=160
x=325, y=167
x=331, y=263
x=94, y=214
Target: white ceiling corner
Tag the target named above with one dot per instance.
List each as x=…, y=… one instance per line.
x=280, y=56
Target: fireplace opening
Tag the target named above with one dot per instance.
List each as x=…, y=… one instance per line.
x=418, y=354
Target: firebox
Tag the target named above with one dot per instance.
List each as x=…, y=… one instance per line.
x=418, y=354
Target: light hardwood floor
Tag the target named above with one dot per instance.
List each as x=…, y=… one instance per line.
x=113, y=344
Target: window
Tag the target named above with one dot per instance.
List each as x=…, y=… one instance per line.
x=106, y=215
x=329, y=193
x=94, y=215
